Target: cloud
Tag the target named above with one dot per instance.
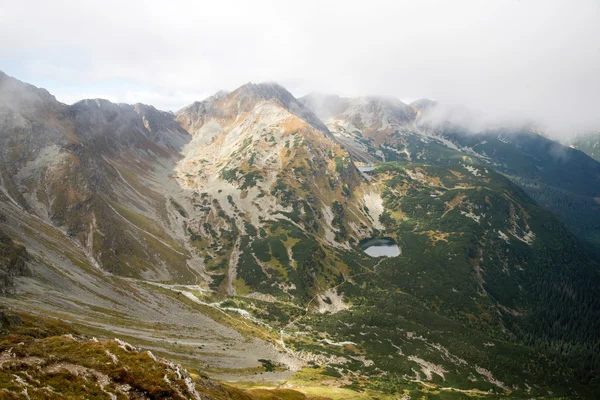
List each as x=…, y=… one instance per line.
x=168, y=101
x=530, y=59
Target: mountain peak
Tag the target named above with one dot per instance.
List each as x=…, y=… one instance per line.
x=380, y=100
x=15, y=94
x=365, y=109
x=264, y=88
x=264, y=91
x=324, y=105
x=221, y=94
x=244, y=99
x=95, y=103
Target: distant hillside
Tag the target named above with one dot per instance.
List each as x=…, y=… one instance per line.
x=561, y=179
x=588, y=143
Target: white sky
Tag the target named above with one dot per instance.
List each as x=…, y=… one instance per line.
x=526, y=59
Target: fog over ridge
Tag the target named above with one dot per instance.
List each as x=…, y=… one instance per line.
x=517, y=60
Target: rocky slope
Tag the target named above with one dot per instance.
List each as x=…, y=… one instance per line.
x=95, y=170
x=258, y=163
x=13, y=261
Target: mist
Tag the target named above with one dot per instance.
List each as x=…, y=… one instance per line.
x=512, y=60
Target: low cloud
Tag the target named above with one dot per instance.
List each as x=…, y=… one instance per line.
x=525, y=59
x=168, y=101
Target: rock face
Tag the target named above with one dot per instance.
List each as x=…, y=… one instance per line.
x=259, y=153
x=90, y=169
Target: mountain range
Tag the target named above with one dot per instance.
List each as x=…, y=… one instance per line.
x=228, y=237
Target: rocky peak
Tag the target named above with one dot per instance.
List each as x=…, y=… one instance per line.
x=227, y=106
x=325, y=106
x=375, y=108
x=363, y=110
x=24, y=98
x=127, y=122
x=266, y=91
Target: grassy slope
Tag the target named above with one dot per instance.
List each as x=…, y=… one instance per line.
x=561, y=179
x=44, y=358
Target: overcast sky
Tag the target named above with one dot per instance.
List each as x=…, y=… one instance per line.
x=524, y=58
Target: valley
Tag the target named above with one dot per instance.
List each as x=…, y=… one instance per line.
x=342, y=248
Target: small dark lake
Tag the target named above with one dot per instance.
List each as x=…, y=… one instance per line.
x=380, y=247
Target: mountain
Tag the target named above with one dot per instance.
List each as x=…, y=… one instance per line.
x=494, y=257
x=229, y=237
x=261, y=167
x=361, y=124
x=117, y=228
x=79, y=168
x=94, y=231
x=588, y=143
x=563, y=180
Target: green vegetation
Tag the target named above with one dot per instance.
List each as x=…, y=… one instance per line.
x=481, y=280
x=250, y=179
x=480, y=293
x=49, y=360
x=266, y=267
x=338, y=221
x=341, y=163
x=561, y=179
x=179, y=208
x=230, y=175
